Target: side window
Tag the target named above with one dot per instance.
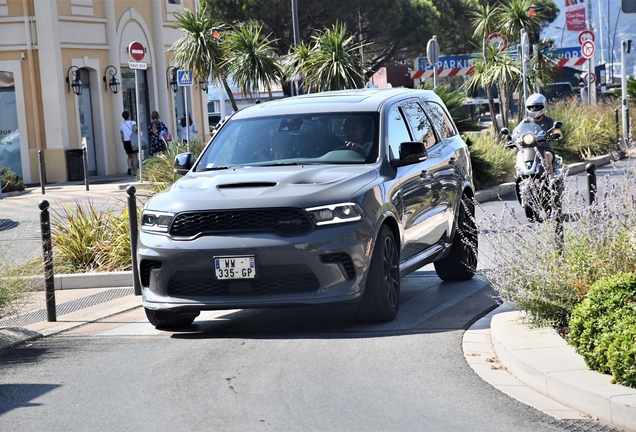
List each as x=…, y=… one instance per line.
x=397, y=131
x=421, y=127
x=440, y=119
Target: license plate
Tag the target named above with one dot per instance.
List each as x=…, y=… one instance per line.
x=235, y=268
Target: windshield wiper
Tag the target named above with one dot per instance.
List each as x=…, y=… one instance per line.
x=224, y=167
x=283, y=164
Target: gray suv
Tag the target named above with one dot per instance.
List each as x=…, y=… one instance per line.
x=312, y=200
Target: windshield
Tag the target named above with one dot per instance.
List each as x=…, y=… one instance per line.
x=342, y=138
x=524, y=128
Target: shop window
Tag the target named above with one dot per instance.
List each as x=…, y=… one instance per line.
x=9, y=132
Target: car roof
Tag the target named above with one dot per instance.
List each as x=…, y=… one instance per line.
x=359, y=100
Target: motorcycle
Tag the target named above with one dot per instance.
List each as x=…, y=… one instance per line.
x=538, y=193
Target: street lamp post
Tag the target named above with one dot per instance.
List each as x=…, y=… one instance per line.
x=562, y=31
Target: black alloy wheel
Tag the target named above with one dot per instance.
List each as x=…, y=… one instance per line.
x=381, y=298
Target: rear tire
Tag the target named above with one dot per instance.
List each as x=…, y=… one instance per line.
x=381, y=298
x=461, y=262
x=167, y=319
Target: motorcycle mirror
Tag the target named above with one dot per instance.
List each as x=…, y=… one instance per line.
x=558, y=124
x=504, y=131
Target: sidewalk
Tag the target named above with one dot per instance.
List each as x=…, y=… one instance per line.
x=535, y=366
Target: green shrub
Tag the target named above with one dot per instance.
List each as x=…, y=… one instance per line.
x=13, y=284
x=599, y=322
x=621, y=356
x=11, y=182
x=587, y=131
x=492, y=162
x=85, y=239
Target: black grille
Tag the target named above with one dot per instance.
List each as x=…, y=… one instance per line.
x=144, y=270
x=283, y=221
x=344, y=260
x=280, y=285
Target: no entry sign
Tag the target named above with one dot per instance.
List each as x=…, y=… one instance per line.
x=136, y=51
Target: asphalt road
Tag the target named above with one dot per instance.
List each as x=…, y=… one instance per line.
x=279, y=369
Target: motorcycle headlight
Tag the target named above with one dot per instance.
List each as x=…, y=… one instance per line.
x=156, y=221
x=528, y=139
x=335, y=213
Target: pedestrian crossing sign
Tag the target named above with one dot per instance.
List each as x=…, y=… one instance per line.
x=184, y=78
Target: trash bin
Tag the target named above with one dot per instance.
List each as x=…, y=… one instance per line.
x=75, y=164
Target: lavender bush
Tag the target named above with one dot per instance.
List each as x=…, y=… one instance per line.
x=546, y=269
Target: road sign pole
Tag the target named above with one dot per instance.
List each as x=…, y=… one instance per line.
x=624, y=88
x=432, y=51
x=187, y=117
x=139, y=148
x=525, y=52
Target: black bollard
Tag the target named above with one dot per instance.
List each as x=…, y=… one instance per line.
x=42, y=170
x=85, y=162
x=616, y=121
x=591, y=183
x=132, y=217
x=47, y=251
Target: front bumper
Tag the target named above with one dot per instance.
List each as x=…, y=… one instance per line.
x=326, y=266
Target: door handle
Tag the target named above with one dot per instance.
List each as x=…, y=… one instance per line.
x=452, y=160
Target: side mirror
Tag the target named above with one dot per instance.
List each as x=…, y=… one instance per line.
x=504, y=131
x=558, y=124
x=411, y=152
x=183, y=163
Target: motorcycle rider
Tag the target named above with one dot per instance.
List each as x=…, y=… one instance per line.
x=536, y=106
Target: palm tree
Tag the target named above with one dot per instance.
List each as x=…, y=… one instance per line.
x=249, y=59
x=514, y=17
x=333, y=62
x=485, y=20
x=297, y=61
x=198, y=50
x=505, y=71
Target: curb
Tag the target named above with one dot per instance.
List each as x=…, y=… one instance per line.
x=542, y=360
x=88, y=280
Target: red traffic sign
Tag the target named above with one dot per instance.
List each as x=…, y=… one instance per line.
x=586, y=35
x=587, y=49
x=136, y=51
x=497, y=40
x=589, y=78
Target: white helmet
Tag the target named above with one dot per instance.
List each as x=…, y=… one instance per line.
x=536, y=105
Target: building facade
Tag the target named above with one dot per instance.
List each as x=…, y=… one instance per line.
x=52, y=49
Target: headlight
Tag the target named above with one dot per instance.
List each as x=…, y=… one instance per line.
x=335, y=213
x=156, y=221
x=528, y=139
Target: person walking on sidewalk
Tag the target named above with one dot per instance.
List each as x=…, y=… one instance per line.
x=157, y=131
x=188, y=128
x=126, y=130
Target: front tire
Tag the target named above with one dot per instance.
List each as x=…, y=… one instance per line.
x=167, y=319
x=461, y=263
x=381, y=298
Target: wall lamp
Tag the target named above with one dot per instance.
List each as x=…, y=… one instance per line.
x=203, y=84
x=171, y=78
x=77, y=83
x=114, y=82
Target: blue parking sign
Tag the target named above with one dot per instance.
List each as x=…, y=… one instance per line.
x=184, y=78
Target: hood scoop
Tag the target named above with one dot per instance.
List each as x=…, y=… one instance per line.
x=246, y=185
